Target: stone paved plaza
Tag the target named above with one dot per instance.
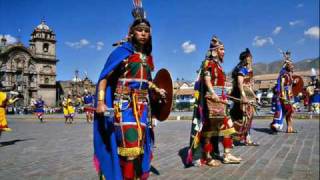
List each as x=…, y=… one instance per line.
x=53, y=150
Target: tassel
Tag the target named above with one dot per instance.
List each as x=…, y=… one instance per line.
x=136, y=115
x=189, y=157
x=96, y=163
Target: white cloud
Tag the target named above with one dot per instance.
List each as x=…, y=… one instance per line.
x=85, y=43
x=312, y=32
x=188, y=47
x=78, y=44
x=259, y=41
x=300, y=5
x=301, y=41
x=293, y=23
x=10, y=39
x=277, y=30
x=99, y=45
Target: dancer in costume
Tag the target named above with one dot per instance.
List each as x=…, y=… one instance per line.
x=283, y=97
x=122, y=122
x=314, y=96
x=243, y=109
x=210, y=119
x=4, y=101
x=88, y=105
x=39, y=111
x=68, y=109
x=78, y=102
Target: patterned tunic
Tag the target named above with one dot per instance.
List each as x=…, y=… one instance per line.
x=131, y=104
x=215, y=125
x=282, y=102
x=242, y=114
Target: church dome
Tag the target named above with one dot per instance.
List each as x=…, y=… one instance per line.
x=43, y=26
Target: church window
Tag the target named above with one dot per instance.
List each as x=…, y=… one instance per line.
x=46, y=80
x=45, y=47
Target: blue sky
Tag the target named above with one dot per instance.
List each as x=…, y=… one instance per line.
x=181, y=30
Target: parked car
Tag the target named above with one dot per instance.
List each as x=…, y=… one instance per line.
x=266, y=98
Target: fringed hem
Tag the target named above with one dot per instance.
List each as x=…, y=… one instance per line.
x=136, y=151
x=227, y=132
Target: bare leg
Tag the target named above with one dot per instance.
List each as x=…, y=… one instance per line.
x=207, y=154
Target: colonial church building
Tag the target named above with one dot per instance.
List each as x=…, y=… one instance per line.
x=31, y=70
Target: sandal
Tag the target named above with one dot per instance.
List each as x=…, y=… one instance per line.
x=251, y=144
x=213, y=163
x=231, y=159
x=292, y=131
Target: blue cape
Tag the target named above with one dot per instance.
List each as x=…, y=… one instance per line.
x=278, y=85
x=105, y=145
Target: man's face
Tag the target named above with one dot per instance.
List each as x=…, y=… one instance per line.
x=290, y=67
x=220, y=53
x=248, y=59
x=141, y=33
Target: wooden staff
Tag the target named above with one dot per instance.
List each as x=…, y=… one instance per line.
x=239, y=100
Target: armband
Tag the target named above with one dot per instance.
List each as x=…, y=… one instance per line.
x=101, y=95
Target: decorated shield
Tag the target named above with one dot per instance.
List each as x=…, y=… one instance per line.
x=161, y=107
x=297, y=86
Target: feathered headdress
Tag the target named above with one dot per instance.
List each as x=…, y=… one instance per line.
x=286, y=58
x=138, y=13
x=215, y=43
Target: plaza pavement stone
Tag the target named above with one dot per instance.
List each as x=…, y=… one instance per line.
x=54, y=150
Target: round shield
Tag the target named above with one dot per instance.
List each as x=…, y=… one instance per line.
x=161, y=107
x=297, y=85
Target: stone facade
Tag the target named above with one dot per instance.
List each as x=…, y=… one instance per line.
x=75, y=87
x=31, y=70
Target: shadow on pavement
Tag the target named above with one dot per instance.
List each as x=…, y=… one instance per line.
x=264, y=130
x=12, y=142
x=183, y=155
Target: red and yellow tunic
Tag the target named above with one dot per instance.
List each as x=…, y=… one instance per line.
x=131, y=104
x=218, y=125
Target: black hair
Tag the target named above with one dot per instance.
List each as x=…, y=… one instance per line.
x=244, y=54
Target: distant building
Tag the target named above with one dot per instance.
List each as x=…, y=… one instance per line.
x=31, y=70
x=76, y=87
x=267, y=81
x=183, y=91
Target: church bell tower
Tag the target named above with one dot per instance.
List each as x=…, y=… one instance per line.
x=43, y=42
